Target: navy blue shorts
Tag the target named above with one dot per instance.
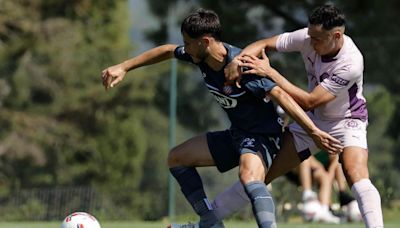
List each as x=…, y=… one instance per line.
x=227, y=146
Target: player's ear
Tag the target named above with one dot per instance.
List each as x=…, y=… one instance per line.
x=337, y=35
x=205, y=40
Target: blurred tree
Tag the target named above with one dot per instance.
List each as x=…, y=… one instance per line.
x=58, y=126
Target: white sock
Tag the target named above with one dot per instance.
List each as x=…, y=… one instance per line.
x=369, y=202
x=230, y=201
x=309, y=195
x=324, y=207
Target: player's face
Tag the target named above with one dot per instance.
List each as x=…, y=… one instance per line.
x=196, y=48
x=323, y=41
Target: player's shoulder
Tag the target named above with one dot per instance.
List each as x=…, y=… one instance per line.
x=297, y=40
x=349, y=69
x=301, y=33
x=180, y=54
x=232, y=51
x=350, y=57
x=179, y=50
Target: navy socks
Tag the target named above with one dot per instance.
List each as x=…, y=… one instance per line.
x=192, y=187
x=262, y=204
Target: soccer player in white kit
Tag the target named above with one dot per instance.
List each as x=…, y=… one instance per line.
x=334, y=67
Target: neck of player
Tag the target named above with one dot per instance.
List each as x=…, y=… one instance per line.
x=216, y=56
x=336, y=50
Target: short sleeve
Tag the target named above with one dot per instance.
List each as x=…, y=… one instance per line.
x=341, y=80
x=258, y=86
x=182, y=55
x=292, y=41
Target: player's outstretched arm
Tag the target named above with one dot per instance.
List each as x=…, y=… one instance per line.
x=260, y=46
x=322, y=139
x=233, y=70
x=112, y=75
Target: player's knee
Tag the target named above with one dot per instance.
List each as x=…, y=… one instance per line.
x=250, y=175
x=174, y=159
x=355, y=173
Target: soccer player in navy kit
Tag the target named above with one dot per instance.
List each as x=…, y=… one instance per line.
x=254, y=136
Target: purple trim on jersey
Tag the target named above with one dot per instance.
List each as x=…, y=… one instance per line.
x=327, y=59
x=358, y=107
x=323, y=77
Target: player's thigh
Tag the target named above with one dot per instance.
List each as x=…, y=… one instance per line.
x=286, y=159
x=193, y=152
x=355, y=164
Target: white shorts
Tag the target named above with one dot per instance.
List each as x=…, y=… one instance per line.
x=350, y=132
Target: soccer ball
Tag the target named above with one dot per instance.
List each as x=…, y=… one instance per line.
x=310, y=210
x=80, y=220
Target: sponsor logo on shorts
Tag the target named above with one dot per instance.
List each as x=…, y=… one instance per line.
x=224, y=101
x=276, y=141
x=248, y=142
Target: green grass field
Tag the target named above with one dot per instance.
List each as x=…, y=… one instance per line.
x=229, y=224
x=392, y=220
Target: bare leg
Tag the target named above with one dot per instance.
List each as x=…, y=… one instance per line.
x=324, y=181
x=340, y=178
x=305, y=175
x=356, y=171
x=192, y=153
x=336, y=171
x=285, y=160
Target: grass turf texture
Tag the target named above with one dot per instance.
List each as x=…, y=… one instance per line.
x=229, y=224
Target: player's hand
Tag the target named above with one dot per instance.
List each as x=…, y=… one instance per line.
x=326, y=142
x=233, y=73
x=111, y=76
x=255, y=65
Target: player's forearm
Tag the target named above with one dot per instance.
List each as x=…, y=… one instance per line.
x=299, y=95
x=256, y=47
x=292, y=109
x=152, y=56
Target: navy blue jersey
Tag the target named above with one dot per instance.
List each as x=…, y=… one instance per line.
x=246, y=107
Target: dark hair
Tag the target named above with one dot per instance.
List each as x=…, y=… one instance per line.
x=328, y=16
x=200, y=23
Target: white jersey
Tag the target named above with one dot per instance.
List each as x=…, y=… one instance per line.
x=341, y=75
